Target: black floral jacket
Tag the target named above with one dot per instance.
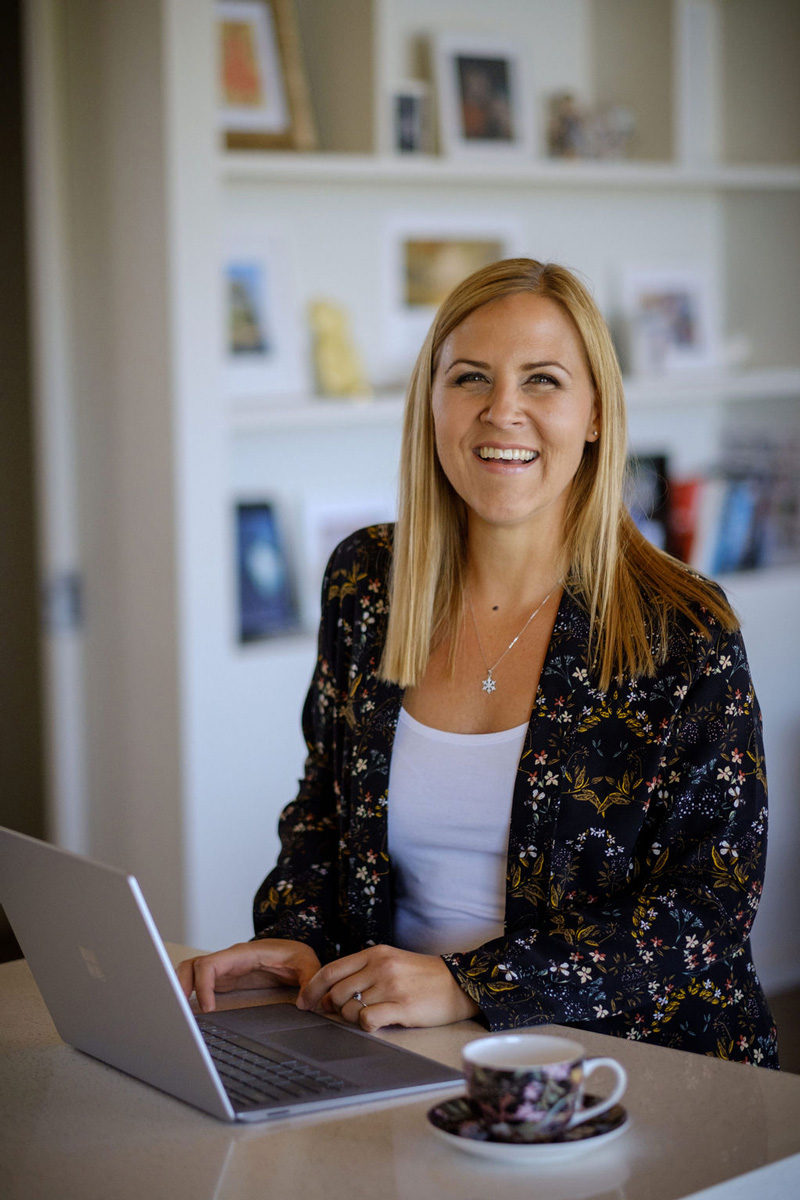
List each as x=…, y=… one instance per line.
x=637, y=838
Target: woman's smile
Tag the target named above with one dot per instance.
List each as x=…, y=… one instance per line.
x=506, y=456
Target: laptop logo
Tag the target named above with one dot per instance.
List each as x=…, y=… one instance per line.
x=92, y=965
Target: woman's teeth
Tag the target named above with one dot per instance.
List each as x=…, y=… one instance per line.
x=507, y=455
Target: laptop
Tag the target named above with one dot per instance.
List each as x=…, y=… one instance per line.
x=105, y=976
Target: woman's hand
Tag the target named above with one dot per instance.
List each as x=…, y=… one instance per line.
x=396, y=986
x=267, y=962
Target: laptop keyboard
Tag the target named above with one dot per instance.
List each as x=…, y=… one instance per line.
x=253, y=1077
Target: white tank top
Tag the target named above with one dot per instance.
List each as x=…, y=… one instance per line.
x=449, y=814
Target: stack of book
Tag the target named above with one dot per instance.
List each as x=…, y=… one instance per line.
x=743, y=516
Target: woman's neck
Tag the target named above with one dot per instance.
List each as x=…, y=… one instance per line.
x=510, y=567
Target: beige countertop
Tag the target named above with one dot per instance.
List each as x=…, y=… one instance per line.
x=73, y=1127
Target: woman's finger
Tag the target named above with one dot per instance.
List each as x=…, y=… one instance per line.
x=328, y=977
x=377, y=1016
x=355, y=1003
x=261, y=963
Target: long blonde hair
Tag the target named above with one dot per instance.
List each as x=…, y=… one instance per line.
x=629, y=589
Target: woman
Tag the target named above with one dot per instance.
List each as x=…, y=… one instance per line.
x=535, y=788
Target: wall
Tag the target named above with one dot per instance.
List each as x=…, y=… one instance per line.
x=21, y=742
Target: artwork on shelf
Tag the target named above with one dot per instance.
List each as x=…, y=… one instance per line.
x=337, y=364
x=575, y=131
x=425, y=259
x=670, y=323
x=264, y=353
x=647, y=495
x=267, y=605
x=326, y=523
x=483, y=97
x=412, y=118
x=264, y=99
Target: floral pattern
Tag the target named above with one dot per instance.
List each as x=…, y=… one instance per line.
x=637, y=839
x=460, y=1118
x=543, y=1099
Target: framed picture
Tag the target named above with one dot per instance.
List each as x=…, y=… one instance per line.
x=483, y=95
x=670, y=321
x=265, y=350
x=264, y=100
x=425, y=259
x=647, y=495
x=411, y=117
x=326, y=523
x=267, y=605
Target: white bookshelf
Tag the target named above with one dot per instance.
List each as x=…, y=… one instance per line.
x=180, y=745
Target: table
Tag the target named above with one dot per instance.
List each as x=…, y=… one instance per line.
x=71, y=1127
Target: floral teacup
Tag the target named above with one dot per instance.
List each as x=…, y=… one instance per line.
x=534, y=1080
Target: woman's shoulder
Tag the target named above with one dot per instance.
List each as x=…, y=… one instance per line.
x=367, y=549
x=360, y=564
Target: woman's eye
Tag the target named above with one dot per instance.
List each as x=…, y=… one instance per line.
x=544, y=379
x=471, y=377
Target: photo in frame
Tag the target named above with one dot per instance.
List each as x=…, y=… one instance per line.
x=425, y=258
x=264, y=335
x=647, y=496
x=264, y=98
x=326, y=523
x=412, y=118
x=267, y=603
x=670, y=321
x=483, y=97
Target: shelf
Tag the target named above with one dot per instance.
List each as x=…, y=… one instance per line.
x=281, y=167
x=303, y=412
x=308, y=412
x=712, y=388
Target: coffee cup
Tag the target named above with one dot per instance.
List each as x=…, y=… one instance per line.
x=534, y=1080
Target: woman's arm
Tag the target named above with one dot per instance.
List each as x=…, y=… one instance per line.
x=682, y=914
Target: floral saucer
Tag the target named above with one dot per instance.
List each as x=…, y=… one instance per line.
x=457, y=1123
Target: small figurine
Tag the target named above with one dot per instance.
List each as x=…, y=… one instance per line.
x=337, y=363
x=565, y=129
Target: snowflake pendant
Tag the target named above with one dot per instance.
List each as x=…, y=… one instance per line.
x=489, y=684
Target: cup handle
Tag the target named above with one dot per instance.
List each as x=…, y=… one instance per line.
x=593, y=1064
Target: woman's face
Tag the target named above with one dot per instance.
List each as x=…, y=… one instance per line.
x=513, y=408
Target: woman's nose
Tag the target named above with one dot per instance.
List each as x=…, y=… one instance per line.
x=504, y=408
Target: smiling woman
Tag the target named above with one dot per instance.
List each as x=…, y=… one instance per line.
x=535, y=786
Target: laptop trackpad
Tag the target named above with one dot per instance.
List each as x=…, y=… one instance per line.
x=297, y=1032
x=327, y=1043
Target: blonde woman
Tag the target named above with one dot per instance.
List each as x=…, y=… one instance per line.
x=535, y=786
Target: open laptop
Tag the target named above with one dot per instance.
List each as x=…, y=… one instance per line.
x=112, y=992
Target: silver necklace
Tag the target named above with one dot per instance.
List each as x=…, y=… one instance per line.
x=489, y=684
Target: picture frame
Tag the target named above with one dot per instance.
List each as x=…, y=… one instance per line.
x=264, y=333
x=412, y=118
x=266, y=598
x=326, y=522
x=670, y=320
x=647, y=496
x=264, y=101
x=425, y=257
x=483, y=97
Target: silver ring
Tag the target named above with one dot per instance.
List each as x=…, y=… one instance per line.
x=357, y=996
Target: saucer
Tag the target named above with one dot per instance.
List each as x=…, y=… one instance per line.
x=456, y=1122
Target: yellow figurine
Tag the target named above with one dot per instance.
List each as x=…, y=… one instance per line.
x=337, y=364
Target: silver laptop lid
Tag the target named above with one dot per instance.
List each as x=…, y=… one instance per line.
x=107, y=981
x=102, y=969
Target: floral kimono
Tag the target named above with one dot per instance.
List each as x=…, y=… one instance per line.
x=636, y=846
